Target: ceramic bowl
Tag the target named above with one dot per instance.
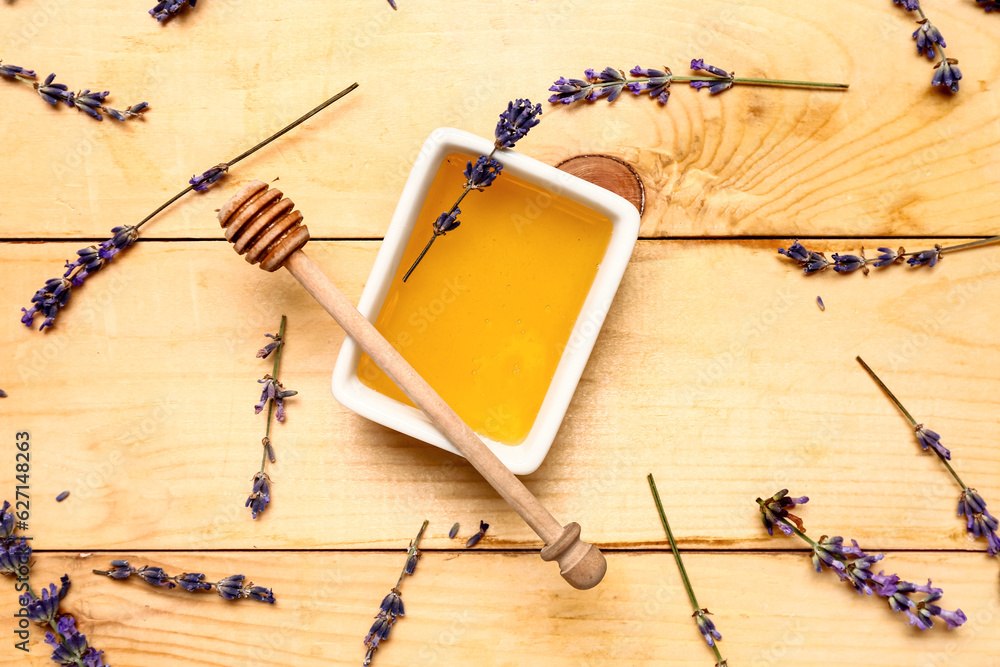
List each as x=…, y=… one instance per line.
x=526, y=457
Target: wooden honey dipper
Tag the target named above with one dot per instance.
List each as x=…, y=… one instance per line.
x=267, y=229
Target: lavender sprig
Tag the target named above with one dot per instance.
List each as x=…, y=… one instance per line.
x=978, y=521
x=610, y=82
x=705, y=625
x=931, y=43
x=816, y=262
x=853, y=566
x=273, y=395
x=69, y=646
x=392, y=604
x=519, y=117
x=167, y=9
x=233, y=587
x=87, y=101
x=989, y=5
x=55, y=293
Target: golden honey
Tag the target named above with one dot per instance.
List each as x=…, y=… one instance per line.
x=486, y=315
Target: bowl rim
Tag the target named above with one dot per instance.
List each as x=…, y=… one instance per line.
x=527, y=456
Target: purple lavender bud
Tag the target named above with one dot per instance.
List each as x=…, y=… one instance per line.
x=825, y=552
x=54, y=93
x=392, y=3
x=908, y=5
x=193, y=581
x=14, y=70
x=698, y=64
x=657, y=84
x=847, y=263
x=120, y=569
x=568, y=91
x=379, y=631
x=927, y=35
x=6, y=521
x=263, y=352
x=706, y=626
x=453, y=532
x=154, y=576
x=776, y=508
x=474, y=540
x=258, y=593
x=92, y=658
x=62, y=496
x=717, y=88
x=411, y=563
x=14, y=555
x=989, y=5
x=858, y=571
x=483, y=173
x=698, y=85
x=946, y=74
x=515, y=122
x=205, y=181
x=44, y=609
x=888, y=256
x=117, y=115
x=928, y=438
x=447, y=222
x=168, y=8
x=230, y=587
x=392, y=604
x=260, y=495
x=795, y=251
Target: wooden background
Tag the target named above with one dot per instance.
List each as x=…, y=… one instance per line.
x=715, y=370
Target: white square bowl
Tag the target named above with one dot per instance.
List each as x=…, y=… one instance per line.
x=524, y=458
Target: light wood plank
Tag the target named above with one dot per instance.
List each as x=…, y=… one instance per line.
x=506, y=609
x=715, y=370
x=891, y=157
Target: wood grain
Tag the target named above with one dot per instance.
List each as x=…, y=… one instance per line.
x=890, y=157
x=500, y=609
x=715, y=370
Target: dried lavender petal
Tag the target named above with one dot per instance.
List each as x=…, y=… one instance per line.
x=819, y=302
x=62, y=496
x=454, y=531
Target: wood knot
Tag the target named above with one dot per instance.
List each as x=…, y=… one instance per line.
x=262, y=225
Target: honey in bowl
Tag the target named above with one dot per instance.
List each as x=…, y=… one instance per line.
x=486, y=315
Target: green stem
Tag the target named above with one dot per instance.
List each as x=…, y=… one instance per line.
x=677, y=554
x=247, y=153
x=971, y=244
x=274, y=374
x=411, y=551
x=783, y=83
x=419, y=257
x=906, y=413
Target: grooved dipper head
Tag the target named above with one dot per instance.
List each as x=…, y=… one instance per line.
x=262, y=225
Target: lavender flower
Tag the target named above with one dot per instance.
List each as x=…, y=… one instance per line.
x=568, y=91
x=989, y=5
x=54, y=93
x=657, y=83
x=230, y=588
x=391, y=607
x=13, y=71
x=193, y=581
x=45, y=609
x=948, y=75
x=14, y=556
x=265, y=351
x=3, y=394
x=888, y=256
x=927, y=35
x=56, y=291
x=483, y=173
x=474, y=540
x=615, y=80
x=811, y=262
x=273, y=391
x=6, y=522
x=849, y=263
x=706, y=626
x=154, y=576
x=207, y=179
x=447, y=222
x=928, y=438
x=775, y=512
x=169, y=8
x=698, y=64
x=908, y=5
x=515, y=122
x=856, y=571
x=260, y=496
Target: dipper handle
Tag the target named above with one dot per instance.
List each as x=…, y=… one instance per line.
x=268, y=230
